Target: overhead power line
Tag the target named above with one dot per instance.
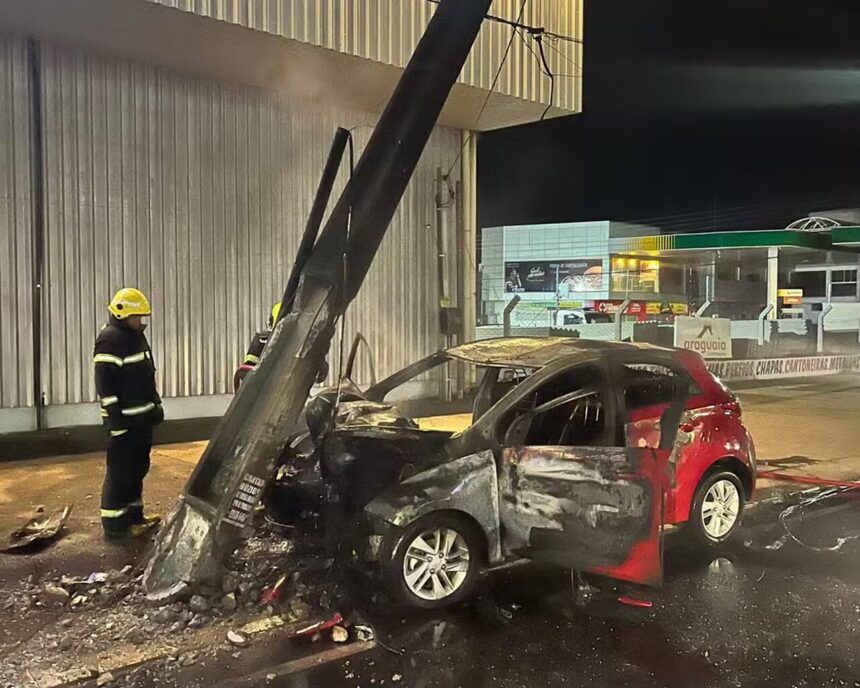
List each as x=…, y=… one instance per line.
x=531, y=29
x=490, y=92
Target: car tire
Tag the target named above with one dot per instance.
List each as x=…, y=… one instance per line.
x=417, y=574
x=717, y=509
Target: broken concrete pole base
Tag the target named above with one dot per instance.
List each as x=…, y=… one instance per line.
x=184, y=558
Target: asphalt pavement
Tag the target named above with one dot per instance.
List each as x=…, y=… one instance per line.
x=772, y=610
x=780, y=607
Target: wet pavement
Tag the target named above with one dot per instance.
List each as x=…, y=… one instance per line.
x=767, y=611
x=781, y=607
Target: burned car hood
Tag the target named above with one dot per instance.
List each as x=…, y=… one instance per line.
x=365, y=414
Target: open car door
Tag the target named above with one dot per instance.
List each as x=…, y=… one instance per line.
x=573, y=491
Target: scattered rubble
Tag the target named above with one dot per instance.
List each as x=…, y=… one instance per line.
x=364, y=633
x=104, y=679
x=237, y=639
x=198, y=604
x=37, y=529
x=55, y=594
x=339, y=634
x=105, y=611
x=229, y=603
x=197, y=621
x=165, y=615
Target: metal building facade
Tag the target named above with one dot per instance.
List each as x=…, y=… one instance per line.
x=186, y=166
x=16, y=332
x=196, y=192
x=363, y=28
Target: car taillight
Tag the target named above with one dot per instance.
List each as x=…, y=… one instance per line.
x=733, y=406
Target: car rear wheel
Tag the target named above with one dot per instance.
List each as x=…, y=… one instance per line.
x=437, y=561
x=717, y=508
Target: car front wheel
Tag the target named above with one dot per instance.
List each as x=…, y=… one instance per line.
x=437, y=561
x=717, y=508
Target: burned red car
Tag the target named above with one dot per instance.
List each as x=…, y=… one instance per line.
x=574, y=453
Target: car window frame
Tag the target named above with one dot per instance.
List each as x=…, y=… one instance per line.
x=485, y=427
x=616, y=360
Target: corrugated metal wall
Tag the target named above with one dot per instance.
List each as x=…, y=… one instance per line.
x=16, y=333
x=197, y=193
x=355, y=27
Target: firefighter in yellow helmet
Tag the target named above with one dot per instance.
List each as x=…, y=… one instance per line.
x=130, y=409
x=255, y=349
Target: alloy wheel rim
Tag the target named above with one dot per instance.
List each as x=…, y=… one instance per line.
x=720, y=508
x=436, y=563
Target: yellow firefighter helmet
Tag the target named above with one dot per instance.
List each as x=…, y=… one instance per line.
x=129, y=301
x=273, y=318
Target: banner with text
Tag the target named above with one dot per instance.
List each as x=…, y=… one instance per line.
x=775, y=368
x=566, y=276
x=710, y=337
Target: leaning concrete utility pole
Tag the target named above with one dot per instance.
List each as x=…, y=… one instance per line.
x=240, y=459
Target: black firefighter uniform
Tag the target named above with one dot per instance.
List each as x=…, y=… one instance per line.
x=130, y=408
x=255, y=350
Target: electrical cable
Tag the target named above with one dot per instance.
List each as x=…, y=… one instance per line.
x=518, y=25
x=490, y=92
x=548, y=71
x=565, y=57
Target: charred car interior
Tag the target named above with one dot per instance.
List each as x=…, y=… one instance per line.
x=550, y=466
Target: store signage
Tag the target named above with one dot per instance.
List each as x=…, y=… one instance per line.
x=710, y=337
x=569, y=277
x=790, y=297
x=642, y=307
x=775, y=368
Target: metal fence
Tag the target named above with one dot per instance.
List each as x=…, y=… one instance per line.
x=834, y=329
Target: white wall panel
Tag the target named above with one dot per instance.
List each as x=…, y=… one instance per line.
x=16, y=333
x=197, y=192
x=388, y=30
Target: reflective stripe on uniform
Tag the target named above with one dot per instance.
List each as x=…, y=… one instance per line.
x=135, y=358
x=107, y=401
x=114, y=513
x=104, y=414
x=251, y=358
x=137, y=410
x=136, y=502
x=117, y=433
x=107, y=358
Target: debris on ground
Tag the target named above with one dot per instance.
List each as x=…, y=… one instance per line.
x=106, y=613
x=229, y=602
x=38, y=529
x=104, y=679
x=339, y=634
x=237, y=639
x=317, y=627
x=55, y=594
x=276, y=592
x=364, y=633
x=198, y=604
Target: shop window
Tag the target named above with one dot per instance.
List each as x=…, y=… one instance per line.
x=843, y=283
x=813, y=283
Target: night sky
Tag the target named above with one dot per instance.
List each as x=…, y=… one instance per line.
x=697, y=116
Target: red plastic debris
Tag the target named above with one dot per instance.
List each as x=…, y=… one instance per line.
x=276, y=592
x=318, y=627
x=645, y=604
x=807, y=480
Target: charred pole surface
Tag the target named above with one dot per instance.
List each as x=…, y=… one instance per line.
x=240, y=459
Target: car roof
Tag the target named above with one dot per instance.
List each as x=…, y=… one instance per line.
x=536, y=352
